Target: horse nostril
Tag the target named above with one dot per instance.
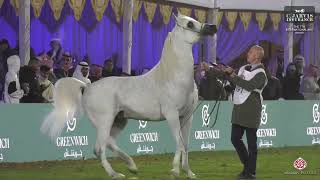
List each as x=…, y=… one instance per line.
x=213, y=28
x=208, y=29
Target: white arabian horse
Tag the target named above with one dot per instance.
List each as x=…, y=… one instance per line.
x=168, y=91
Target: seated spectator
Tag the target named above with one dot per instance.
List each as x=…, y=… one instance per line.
x=5, y=52
x=66, y=69
x=82, y=72
x=56, y=51
x=28, y=76
x=309, y=87
x=291, y=84
x=273, y=89
x=108, y=69
x=12, y=90
x=45, y=60
x=46, y=87
x=280, y=65
x=4, y=46
x=95, y=73
x=299, y=61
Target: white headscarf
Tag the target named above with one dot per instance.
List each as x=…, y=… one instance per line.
x=12, y=76
x=78, y=74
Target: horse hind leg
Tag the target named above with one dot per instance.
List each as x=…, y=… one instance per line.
x=124, y=156
x=105, y=122
x=117, y=127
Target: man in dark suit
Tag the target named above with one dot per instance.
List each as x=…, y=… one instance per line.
x=250, y=82
x=247, y=98
x=66, y=69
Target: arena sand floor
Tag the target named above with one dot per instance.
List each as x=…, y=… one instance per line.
x=275, y=164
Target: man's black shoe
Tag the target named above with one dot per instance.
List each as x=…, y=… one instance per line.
x=243, y=173
x=246, y=176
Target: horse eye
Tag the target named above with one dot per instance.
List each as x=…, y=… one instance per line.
x=190, y=25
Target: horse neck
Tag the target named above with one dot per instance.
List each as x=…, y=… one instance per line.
x=176, y=60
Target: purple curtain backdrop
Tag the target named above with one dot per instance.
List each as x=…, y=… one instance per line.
x=231, y=44
x=87, y=37
x=310, y=44
x=9, y=23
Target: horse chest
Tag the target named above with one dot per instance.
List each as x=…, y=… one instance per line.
x=182, y=92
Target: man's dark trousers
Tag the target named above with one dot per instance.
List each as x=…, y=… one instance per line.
x=247, y=157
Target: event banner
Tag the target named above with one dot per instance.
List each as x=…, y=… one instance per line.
x=283, y=123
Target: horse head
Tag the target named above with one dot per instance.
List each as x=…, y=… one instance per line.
x=191, y=30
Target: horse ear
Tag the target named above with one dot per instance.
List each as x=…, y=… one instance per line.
x=175, y=17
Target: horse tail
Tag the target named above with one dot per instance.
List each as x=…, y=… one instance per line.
x=67, y=97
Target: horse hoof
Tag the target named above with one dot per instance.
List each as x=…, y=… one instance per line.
x=191, y=175
x=174, y=174
x=118, y=176
x=133, y=169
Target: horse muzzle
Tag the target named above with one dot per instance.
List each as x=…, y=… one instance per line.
x=208, y=30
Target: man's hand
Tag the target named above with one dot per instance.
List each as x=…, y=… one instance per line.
x=205, y=66
x=228, y=70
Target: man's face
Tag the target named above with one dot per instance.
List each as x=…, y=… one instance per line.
x=84, y=71
x=67, y=63
x=44, y=75
x=35, y=66
x=96, y=71
x=67, y=59
x=55, y=45
x=300, y=63
x=292, y=69
x=252, y=56
x=315, y=71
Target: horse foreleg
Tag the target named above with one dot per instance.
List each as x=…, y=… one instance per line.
x=174, y=124
x=185, y=130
